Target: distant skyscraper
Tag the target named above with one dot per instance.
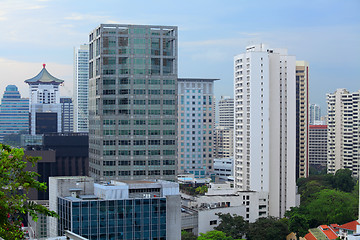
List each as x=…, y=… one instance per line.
x=343, y=131
x=45, y=107
x=265, y=125
x=14, y=112
x=81, y=88
x=318, y=146
x=302, y=119
x=196, y=125
x=132, y=102
x=67, y=114
x=226, y=112
x=315, y=114
x=223, y=142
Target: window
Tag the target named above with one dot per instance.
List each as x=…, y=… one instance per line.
x=213, y=222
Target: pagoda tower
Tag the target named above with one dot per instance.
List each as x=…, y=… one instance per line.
x=44, y=103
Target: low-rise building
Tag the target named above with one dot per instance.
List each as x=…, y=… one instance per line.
x=199, y=213
x=148, y=209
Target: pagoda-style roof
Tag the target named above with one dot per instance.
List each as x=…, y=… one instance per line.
x=44, y=77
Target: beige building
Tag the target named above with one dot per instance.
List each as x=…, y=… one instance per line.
x=343, y=131
x=302, y=119
x=223, y=142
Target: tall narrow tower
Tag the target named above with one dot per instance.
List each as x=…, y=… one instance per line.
x=302, y=119
x=265, y=125
x=196, y=107
x=343, y=131
x=81, y=88
x=132, y=102
x=44, y=102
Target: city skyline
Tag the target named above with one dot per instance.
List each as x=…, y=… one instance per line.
x=325, y=34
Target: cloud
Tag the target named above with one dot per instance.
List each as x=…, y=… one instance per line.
x=16, y=72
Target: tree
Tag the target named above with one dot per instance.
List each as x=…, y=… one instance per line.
x=214, y=235
x=298, y=223
x=332, y=206
x=188, y=236
x=202, y=190
x=15, y=183
x=268, y=228
x=343, y=180
x=234, y=226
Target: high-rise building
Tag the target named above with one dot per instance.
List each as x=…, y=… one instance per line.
x=14, y=112
x=302, y=119
x=115, y=210
x=67, y=114
x=44, y=103
x=314, y=114
x=196, y=123
x=223, y=142
x=318, y=146
x=81, y=88
x=343, y=131
x=132, y=102
x=226, y=112
x=265, y=125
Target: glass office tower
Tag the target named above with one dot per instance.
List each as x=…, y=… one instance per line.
x=14, y=112
x=132, y=102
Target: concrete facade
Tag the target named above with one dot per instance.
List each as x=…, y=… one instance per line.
x=343, y=131
x=226, y=112
x=265, y=125
x=302, y=119
x=223, y=142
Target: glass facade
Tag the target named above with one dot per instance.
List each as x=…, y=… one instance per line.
x=14, y=112
x=81, y=88
x=132, y=97
x=114, y=219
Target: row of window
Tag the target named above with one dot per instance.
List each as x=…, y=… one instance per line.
x=110, y=132
x=138, y=142
x=139, y=122
x=126, y=101
x=139, y=91
x=139, y=163
x=139, y=172
x=139, y=153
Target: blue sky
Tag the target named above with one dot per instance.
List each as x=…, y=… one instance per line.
x=326, y=33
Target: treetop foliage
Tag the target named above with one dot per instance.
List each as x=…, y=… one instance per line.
x=15, y=183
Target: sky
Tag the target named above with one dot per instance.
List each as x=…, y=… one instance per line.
x=326, y=33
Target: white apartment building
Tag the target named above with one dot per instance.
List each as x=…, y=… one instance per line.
x=343, y=131
x=226, y=112
x=196, y=123
x=265, y=125
x=81, y=88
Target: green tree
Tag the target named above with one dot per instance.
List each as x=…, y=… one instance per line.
x=15, y=183
x=343, y=180
x=202, y=189
x=268, y=228
x=234, y=226
x=188, y=236
x=298, y=223
x=214, y=235
x=332, y=206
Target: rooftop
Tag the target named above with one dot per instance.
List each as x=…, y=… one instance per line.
x=350, y=225
x=44, y=77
